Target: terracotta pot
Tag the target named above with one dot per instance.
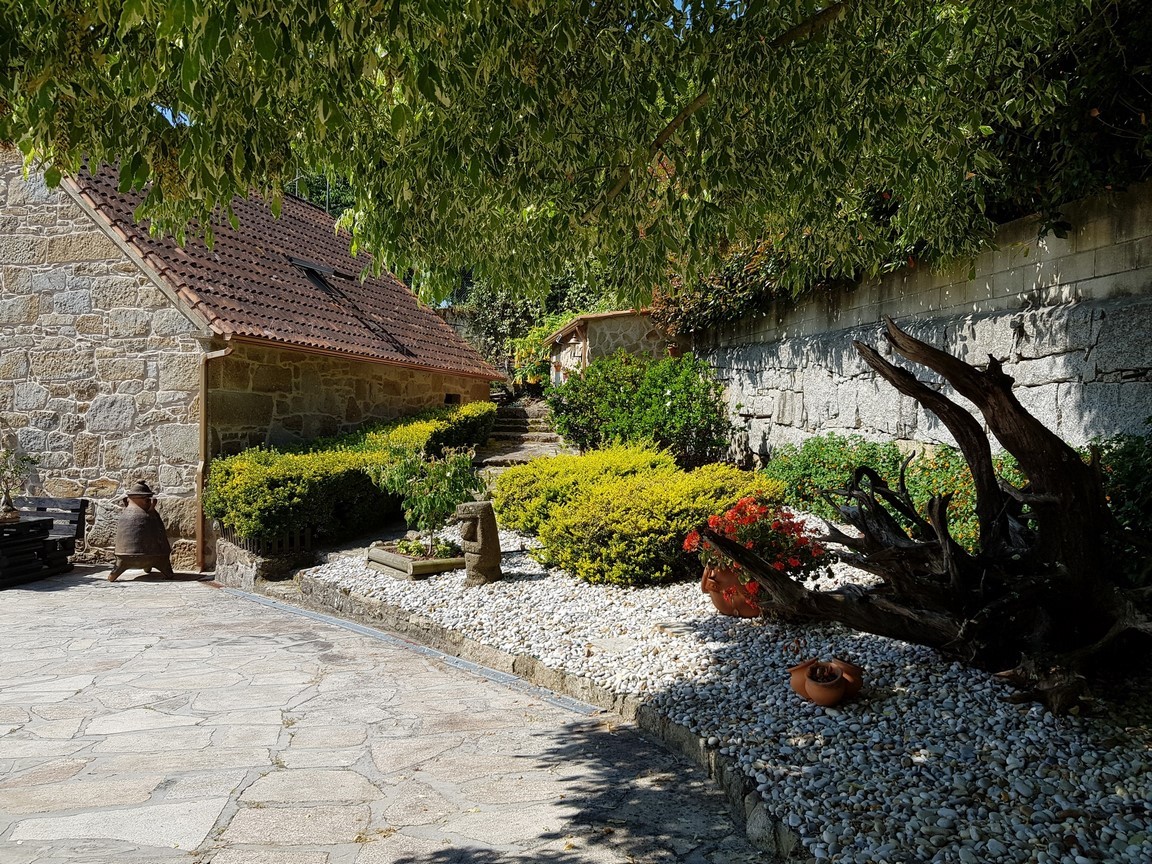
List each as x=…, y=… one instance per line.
x=797, y=676
x=728, y=594
x=853, y=676
x=826, y=693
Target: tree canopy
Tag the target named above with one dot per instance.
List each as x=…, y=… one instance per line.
x=510, y=139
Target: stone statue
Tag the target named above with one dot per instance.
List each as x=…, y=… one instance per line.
x=481, y=542
x=141, y=539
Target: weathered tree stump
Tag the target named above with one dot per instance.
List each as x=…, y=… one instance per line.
x=1040, y=600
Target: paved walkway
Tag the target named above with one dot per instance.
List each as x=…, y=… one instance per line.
x=149, y=721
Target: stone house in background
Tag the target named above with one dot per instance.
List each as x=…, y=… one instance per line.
x=124, y=356
x=601, y=334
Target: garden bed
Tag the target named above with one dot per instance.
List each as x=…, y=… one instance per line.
x=930, y=764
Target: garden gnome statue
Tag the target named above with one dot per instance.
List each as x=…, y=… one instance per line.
x=481, y=542
x=141, y=539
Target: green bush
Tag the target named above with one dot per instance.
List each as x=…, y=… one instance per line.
x=263, y=494
x=526, y=495
x=1126, y=467
x=828, y=461
x=330, y=485
x=430, y=488
x=430, y=432
x=676, y=403
x=630, y=530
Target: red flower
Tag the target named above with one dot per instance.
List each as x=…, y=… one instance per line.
x=773, y=533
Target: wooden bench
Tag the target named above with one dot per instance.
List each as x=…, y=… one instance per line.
x=67, y=514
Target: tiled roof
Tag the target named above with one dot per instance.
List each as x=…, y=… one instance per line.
x=593, y=316
x=247, y=284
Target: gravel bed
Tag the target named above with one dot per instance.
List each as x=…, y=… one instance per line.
x=929, y=764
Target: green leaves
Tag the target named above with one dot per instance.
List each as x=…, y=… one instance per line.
x=508, y=139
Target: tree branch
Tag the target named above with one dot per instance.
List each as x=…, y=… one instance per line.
x=809, y=27
x=968, y=434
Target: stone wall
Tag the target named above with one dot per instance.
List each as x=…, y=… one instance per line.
x=266, y=395
x=635, y=334
x=602, y=337
x=99, y=374
x=1070, y=318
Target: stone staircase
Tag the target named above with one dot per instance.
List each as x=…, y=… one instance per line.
x=522, y=433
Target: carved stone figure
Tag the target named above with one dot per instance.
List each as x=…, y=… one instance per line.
x=481, y=542
x=141, y=539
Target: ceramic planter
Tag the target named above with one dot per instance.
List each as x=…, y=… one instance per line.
x=798, y=674
x=826, y=683
x=402, y=567
x=728, y=595
x=853, y=676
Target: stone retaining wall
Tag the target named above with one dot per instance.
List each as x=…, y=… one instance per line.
x=237, y=567
x=1070, y=318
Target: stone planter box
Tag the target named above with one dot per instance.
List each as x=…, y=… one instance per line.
x=402, y=567
x=237, y=567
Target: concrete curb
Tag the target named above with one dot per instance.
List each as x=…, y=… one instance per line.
x=764, y=831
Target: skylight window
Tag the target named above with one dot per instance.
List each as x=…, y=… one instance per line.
x=320, y=276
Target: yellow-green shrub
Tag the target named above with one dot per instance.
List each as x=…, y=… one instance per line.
x=331, y=485
x=630, y=530
x=525, y=495
x=429, y=431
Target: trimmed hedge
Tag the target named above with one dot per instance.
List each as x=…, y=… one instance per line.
x=526, y=495
x=620, y=515
x=331, y=485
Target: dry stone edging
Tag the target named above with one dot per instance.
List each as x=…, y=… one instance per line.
x=764, y=831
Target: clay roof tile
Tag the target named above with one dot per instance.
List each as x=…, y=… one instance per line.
x=291, y=281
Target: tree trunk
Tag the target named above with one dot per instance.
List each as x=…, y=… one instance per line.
x=1040, y=597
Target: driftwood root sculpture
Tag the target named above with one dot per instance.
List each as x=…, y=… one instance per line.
x=1041, y=600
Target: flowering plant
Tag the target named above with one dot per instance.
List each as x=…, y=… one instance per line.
x=775, y=534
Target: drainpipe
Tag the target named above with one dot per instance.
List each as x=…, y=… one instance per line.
x=201, y=524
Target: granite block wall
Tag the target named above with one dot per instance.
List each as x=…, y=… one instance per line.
x=265, y=395
x=98, y=372
x=1071, y=319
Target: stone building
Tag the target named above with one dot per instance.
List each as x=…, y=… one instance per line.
x=600, y=334
x=1071, y=320
x=124, y=356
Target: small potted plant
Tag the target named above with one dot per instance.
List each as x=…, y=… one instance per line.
x=14, y=470
x=775, y=534
x=430, y=490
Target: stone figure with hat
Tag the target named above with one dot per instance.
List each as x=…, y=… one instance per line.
x=141, y=538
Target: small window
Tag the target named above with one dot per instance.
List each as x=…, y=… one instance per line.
x=451, y=398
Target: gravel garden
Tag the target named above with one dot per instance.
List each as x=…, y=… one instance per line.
x=930, y=764
x=602, y=560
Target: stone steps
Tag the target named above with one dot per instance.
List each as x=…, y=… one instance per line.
x=521, y=433
x=527, y=437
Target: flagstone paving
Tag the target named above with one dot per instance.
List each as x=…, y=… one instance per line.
x=149, y=721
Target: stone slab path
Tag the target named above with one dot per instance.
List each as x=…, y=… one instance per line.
x=151, y=721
